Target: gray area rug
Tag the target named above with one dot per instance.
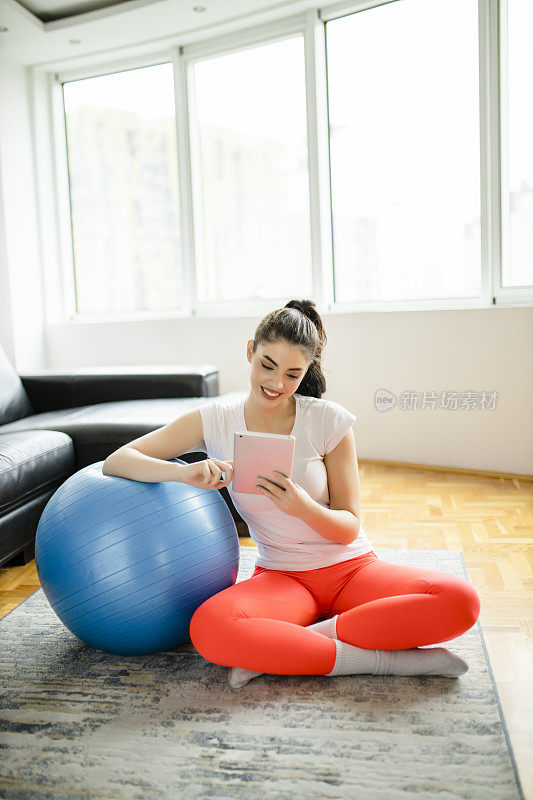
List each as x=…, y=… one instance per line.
x=79, y=723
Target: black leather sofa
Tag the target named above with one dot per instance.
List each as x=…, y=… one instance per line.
x=54, y=423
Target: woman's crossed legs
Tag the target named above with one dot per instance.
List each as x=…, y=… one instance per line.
x=260, y=624
x=393, y=607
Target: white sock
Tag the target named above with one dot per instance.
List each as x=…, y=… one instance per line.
x=239, y=677
x=353, y=660
x=327, y=627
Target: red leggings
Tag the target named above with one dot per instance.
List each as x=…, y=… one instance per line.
x=259, y=623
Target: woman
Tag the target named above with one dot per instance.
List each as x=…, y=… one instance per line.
x=315, y=561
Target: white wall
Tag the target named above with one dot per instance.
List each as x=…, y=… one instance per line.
x=453, y=350
x=6, y=321
x=450, y=350
x=21, y=292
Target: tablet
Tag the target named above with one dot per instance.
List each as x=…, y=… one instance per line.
x=257, y=454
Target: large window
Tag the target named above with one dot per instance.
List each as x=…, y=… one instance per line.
x=331, y=154
x=404, y=139
x=251, y=179
x=518, y=155
x=121, y=140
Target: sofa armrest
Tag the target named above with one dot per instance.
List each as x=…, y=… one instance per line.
x=57, y=389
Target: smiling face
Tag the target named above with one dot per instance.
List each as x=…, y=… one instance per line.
x=276, y=366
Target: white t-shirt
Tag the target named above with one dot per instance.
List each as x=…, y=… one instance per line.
x=285, y=542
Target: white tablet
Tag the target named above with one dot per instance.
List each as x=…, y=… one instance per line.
x=257, y=454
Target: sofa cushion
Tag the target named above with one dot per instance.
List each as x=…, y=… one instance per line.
x=14, y=402
x=30, y=462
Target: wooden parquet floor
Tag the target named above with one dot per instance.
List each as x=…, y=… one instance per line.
x=490, y=519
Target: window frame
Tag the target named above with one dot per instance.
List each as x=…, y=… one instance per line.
x=65, y=230
x=53, y=181
x=309, y=27
x=503, y=294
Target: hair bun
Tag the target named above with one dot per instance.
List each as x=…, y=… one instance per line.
x=308, y=308
x=305, y=306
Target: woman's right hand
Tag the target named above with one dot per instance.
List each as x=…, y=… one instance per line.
x=206, y=474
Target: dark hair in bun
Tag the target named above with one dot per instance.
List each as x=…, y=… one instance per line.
x=300, y=324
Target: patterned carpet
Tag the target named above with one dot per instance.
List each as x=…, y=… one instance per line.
x=79, y=723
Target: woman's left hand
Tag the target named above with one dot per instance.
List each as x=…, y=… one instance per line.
x=292, y=498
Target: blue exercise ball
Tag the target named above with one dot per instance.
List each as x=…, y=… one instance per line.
x=125, y=564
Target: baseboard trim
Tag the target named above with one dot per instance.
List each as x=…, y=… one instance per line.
x=476, y=473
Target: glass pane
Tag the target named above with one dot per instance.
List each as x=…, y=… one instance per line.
x=404, y=138
x=252, y=152
x=518, y=200
x=121, y=137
